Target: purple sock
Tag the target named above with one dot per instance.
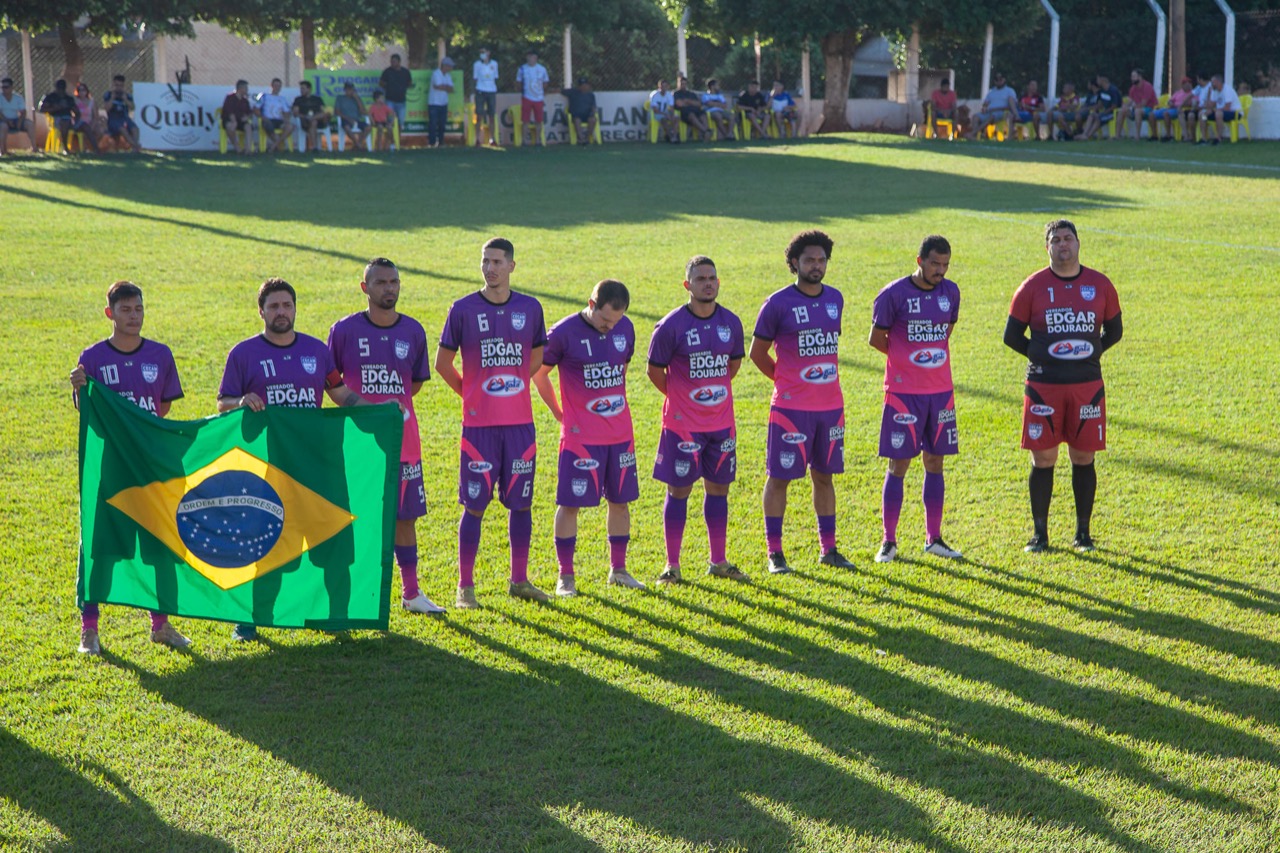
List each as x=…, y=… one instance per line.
x=773, y=532
x=89, y=617
x=565, y=546
x=932, y=494
x=468, y=545
x=715, y=509
x=407, y=560
x=827, y=532
x=618, y=552
x=519, y=532
x=158, y=620
x=674, y=512
x=891, y=506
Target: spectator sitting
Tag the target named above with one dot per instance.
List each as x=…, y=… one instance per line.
x=62, y=111
x=88, y=123
x=350, y=112
x=1223, y=105
x=999, y=105
x=1106, y=103
x=380, y=114
x=395, y=83
x=663, y=107
x=1030, y=107
x=689, y=105
x=752, y=103
x=1067, y=113
x=310, y=112
x=1142, y=104
x=13, y=116
x=1177, y=103
x=783, y=109
x=118, y=103
x=582, y=110
x=277, y=116
x=237, y=117
x=716, y=106
x=943, y=105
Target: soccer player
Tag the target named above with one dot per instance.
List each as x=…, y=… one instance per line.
x=597, y=446
x=695, y=352
x=382, y=355
x=500, y=334
x=1074, y=316
x=801, y=323
x=280, y=367
x=912, y=320
x=143, y=372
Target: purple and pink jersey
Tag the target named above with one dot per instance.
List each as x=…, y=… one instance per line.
x=593, y=379
x=383, y=363
x=696, y=354
x=805, y=332
x=147, y=376
x=295, y=375
x=919, y=323
x=496, y=342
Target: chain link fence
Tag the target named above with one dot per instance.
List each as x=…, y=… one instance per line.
x=133, y=57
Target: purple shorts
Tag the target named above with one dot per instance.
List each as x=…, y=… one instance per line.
x=591, y=471
x=915, y=422
x=503, y=457
x=686, y=457
x=413, y=498
x=799, y=440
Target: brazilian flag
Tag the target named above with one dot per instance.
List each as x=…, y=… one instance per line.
x=284, y=517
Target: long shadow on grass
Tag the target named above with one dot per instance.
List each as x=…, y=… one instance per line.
x=470, y=755
x=1255, y=482
x=89, y=816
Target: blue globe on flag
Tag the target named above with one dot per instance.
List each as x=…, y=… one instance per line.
x=231, y=519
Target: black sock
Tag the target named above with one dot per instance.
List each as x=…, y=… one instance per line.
x=1040, y=484
x=1084, y=482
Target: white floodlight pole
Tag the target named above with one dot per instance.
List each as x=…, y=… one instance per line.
x=27, y=83
x=1157, y=67
x=682, y=49
x=568, y=56
x=986, y=59
x=1055, y=21
x=1229, y=59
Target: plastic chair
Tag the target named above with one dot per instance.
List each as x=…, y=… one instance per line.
x=223, y=141
x=596, y=137
x=946, y=124
x=262, y=138
x=517, y=127
x=52, y=139
x=1242, y=119
x=395, y=134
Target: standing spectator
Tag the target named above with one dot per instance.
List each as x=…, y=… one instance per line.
x=438, y=102
x=395, y=82
x=663, y=106
x=784, y=110
x=1030, y=107
x=999, y=105
x=689, y=105
x=717, y=108
x=88, y=121
x=1142, y=104
x=1066, y=113
x=1222, y=105
x=351, y=115
x=277, y=116
x=751, y=103
x=310, y=112
x=943, y=103
x=13, y=116
x=1177, y=104
x=62, y=112
x=118, y=104
x=582, y=110
x=485, y=72
x=237, y=117
x=380, y=116
x=533, y=80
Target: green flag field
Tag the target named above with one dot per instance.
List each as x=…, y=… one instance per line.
x=1126, y=699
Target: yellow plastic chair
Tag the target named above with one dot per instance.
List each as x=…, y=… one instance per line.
x=469, y=125
x=52, y=139
x=1242, y=119
x=654, y=125
x=944, y=124
x=395, y=135
x=262, y=138
x=222, y=133
x=596, y=136
x=517, y=127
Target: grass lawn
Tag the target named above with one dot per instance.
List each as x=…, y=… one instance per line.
x=1123, y=700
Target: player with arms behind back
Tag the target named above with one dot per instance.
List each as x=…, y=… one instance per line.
x=1074, y=316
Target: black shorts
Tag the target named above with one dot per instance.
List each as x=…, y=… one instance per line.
x=687, y=112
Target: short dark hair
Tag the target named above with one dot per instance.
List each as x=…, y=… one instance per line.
x=378, y=262
x=804, y=240
x=934, y=243
x=240, y=83
x=122, y=290
x=1055, y=224
x=696, y=261
x=302, y=83
x=275, y=285
x=59, y=84
x=501, y=243
x=395, y=56
x=611, y=293
x=711, y=81
x=118, y=77
x=276, y=80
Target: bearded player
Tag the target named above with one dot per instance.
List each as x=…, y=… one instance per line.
x=500, y=334
x=694, y=354
x=143, y=372
x=1074, y=316
x=592, y=348
x=382, y=355
x=912, y=320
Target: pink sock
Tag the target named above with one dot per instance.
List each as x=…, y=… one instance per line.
x=827, y=532
x=158, y=620
x=407, y=560
x=519, y=532
x=468, y=545
x=715, y=509
x=891, y=506
x=89, y=617
x=674, y=512
x=618, y=552
x=565, y=546
x=773, y=533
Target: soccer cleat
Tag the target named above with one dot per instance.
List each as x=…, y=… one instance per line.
x=89, y=642
x=778, y=563
x=1038, y=543
x=888, y=551
x=621, y=577
x=938, y=548
x=244, y=633
x=527, y=591
x=421, y=604
x=671, y=574
x=466, y=598
x=835, y=558
x=167, y=635
x=727, y=570
x=566, y=587
x=1083, y=542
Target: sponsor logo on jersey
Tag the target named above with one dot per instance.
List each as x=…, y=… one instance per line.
x=836, y=433
x=626, y=459
x=904, y=418
x=709, y=395
x=1041, y=409
x=289, y=395
x=1034, y=431
x=794, y=437
x=833, y=311
x=150, y=372
x=473, y=489
x=402, y=348
x=819, y=374
x=586, y=464
x=620, y=343
x=308, y=364
x=947, y=416
x=1087, y=292
x=1071, y=350
x=1088, y=412
x=944, y=303
x=503, y=385
x=579, y=487
x=786, y=459
x=728, y=445
x=410, y=470
x=521, y=466
x=724, y=333
x=682, y=467
x=897, y=439
x=607, y=406
x=689, y=446
x=479, y=466
x=517, y=320
x=929, y=357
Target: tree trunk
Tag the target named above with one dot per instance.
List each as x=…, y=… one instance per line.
x=418, y=40
x=837, y=57
x=308, y=43
x=72, y=55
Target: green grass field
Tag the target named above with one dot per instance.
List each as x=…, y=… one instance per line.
x=1124, y=700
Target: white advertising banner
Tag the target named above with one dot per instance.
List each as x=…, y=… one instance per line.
x=622, y=116
x=183, y=119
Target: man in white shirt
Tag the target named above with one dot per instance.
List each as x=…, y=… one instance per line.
x=662, y=104
x=1222, y=105
x=277, y=116
x=438, y=102
x=484, y=71
x=13, y=115
x=533, y=79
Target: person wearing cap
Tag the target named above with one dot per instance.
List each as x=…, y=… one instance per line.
x=582, y=110
x=395, y=83
x=62, y=112
x=13, y=116
x=485, y=73
x=351, y=115
x=438, y=102
x=1000, y=103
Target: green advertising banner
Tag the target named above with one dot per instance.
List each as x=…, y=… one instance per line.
x=329, y=85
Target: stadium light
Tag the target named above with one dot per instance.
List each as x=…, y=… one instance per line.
x=1055, y=22
x=1157, y=67
x=1229, y=58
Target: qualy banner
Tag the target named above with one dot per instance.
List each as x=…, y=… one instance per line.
x=184, y=118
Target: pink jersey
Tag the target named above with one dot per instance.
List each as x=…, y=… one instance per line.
x=593, y=379
x=696, y=354
x=382, y=363
x=805, y=333
x=497, y=342
x=919, y=324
